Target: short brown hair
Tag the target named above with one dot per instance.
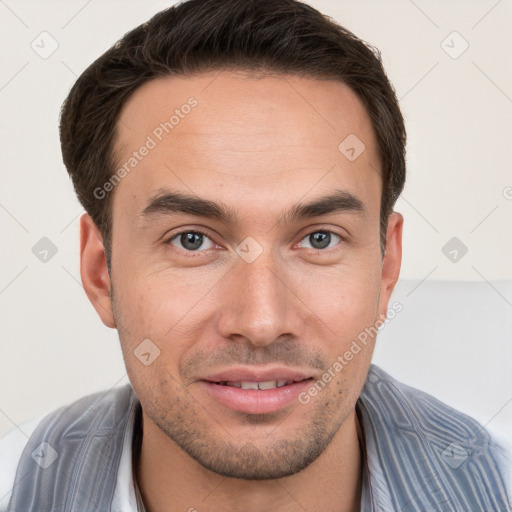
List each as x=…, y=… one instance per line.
x=267, y=36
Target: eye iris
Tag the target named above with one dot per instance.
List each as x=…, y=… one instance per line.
x=191, y=241
x=321, y=238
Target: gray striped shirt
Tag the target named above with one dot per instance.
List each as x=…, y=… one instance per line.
x=418, y=454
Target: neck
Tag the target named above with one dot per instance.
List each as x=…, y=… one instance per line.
x=168, y=478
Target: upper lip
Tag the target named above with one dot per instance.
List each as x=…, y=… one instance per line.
x=253, y=374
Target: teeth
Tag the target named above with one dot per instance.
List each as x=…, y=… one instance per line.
x=249, y=385
x=269, y=384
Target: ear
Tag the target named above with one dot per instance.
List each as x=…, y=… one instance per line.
x=93, y=270
x=392, y=260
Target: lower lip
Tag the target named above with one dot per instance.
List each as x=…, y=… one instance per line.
x=256, y=401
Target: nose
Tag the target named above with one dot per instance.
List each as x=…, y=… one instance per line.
x=259, y=303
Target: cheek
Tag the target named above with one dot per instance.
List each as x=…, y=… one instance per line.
x=152, y=305
x=346, y=302
x=151, y=349
x=346, y=299
x=159, y=315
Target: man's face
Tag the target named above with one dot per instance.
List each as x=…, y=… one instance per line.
x=264, y=295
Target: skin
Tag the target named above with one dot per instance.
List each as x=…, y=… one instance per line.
x=258, y=145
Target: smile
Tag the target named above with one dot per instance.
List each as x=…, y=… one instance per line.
x=251, y=397
x=269, y=384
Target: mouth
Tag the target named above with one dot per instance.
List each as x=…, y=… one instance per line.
x=262, y=386
x=256, y=397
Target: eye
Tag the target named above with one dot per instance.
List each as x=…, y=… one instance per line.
x=320, y=240
x=190, y=241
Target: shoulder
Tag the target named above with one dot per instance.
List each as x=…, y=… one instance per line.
x=418, y=444
x=95, y=406
x=11, y=448
x=406, y=407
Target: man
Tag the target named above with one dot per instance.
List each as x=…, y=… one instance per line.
x=239, y=162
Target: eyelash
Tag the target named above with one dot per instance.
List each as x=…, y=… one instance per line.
x=195, y=254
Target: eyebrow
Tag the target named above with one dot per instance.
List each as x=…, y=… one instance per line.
x=166, y=202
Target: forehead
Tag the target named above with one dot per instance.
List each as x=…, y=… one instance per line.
x=233, y=135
